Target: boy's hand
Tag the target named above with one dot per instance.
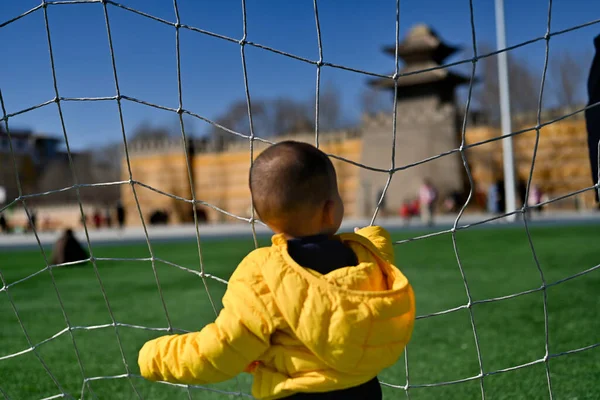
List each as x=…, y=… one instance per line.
x=356, y=229
x=252, y=367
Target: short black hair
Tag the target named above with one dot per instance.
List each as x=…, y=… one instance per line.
x=288, y=178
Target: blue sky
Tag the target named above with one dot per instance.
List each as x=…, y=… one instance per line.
x=353, y=33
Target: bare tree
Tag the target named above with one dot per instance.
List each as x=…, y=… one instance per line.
x=523, y=86
x=290, y=116
x=174, y=125
x=94, y=166
x=279, y=116
x=106, y=162
x=374, y=101
x=568, y=70
x=236, y=119
x=145, y=131
x=329, y=107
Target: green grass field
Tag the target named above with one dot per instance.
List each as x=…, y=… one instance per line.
x=497, y=262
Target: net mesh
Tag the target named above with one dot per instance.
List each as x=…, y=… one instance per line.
x=119, y=98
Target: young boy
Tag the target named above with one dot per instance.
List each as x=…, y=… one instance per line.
x=313, y=316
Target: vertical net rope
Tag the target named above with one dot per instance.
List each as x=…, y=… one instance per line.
x=119, y=98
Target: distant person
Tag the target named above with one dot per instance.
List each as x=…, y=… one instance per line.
x=314, y=316
x=67, y=249
x=493, y=199
x=409, y=209
x=405, y=212
x=108, y=217
x=3, y=224
x=427, y=198
x=382, y=206
x=501, y=196
x=452, y=202
x=97, y=218
x=592, y=114
x=522, y=190
x=120, y=214
x=544, y=199
x=33, y=220
x=535, y=198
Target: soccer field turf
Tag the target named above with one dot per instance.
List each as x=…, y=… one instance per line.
x=496, y=262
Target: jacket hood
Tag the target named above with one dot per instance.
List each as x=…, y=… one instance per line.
x=358, y=319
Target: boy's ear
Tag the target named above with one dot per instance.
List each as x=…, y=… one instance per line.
x=328, y=212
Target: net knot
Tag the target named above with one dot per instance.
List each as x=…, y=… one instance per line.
x=320, y=63
x=396, y=76
x=177, y=25
x=179, y=110
x=242, y=42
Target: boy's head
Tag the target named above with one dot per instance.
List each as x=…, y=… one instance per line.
x=294, y=190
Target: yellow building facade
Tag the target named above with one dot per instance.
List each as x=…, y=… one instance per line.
x=220, y=179
x=561, y=167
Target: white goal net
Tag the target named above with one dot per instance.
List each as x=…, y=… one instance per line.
x=87, y=373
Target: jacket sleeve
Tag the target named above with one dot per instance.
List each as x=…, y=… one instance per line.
x=220, y=351
x=381, y=239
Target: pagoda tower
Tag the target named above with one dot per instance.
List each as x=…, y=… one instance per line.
x=428, y=123
x=421, y=50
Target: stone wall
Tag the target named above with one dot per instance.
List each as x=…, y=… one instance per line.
x=221, y=178
x=561, y=167
x=425, y=127
x=161, y=165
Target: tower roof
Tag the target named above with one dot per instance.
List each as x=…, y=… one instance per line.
x=422, y=49
x=422, y=43
x=421, y=78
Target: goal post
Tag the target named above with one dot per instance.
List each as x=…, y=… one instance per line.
x=507, y=143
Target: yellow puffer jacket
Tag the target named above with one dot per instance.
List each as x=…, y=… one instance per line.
x=295, y=329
